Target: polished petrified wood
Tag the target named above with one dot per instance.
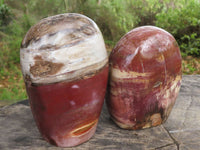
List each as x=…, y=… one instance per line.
x=145, y=78
x=65, y=68
x=180, y=132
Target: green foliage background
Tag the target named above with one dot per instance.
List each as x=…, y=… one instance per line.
x=114, y=17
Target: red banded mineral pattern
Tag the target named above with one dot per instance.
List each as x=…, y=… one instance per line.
x=145, y=78
x=65, y=67
x=67, y=113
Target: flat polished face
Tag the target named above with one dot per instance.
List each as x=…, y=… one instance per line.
x=145, y=78
x=67, y=113
x=62, y=47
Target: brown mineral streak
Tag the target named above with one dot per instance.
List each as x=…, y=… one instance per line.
x=83, y=75
x=89, y=74
x=47, y=27
x=43, y=68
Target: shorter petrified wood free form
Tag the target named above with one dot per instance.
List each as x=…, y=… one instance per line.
x=145, y=78
x=65, y=68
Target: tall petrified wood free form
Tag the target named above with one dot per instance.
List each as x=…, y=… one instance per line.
x=65, y=67
x=145, y=78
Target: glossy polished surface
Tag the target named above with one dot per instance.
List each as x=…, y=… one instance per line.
x=67, y=113
x=65, y=67
x=145, y=78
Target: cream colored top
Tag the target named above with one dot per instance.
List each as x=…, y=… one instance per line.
x=62, y=47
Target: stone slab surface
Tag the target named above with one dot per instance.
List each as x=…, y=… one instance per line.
x=180, y=132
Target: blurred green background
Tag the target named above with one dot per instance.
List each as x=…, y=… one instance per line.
x=114, y=17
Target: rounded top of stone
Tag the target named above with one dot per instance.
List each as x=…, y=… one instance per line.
x=57, y=31
x=62, y=47
x=143, y=46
